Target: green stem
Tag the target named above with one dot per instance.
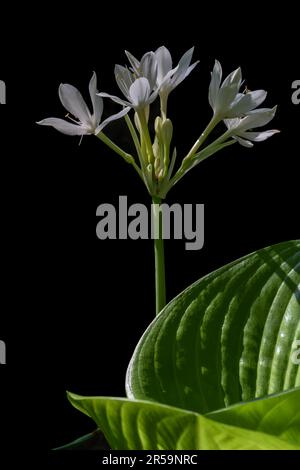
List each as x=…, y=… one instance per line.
x=218, y=144
x=127, y=157
x=134, y=137
x=211, y=125
x=145, y=175
x=200, y=157
x=163, y=106
x=145, y=136
x=160, y=279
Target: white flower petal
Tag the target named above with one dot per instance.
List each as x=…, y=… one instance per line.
x=259, y=136
x=115, y=99
x=114, y=117
x=140, y=92
x=225, y=96
x=256, y=118
x=247, y=102
x=232, y=123
x=166, y=85
x=96, y=100
x=133, y=61
x=234, y=78
x=164, y=63
x=124, y=79
x=215, y=83
x=148, y=68
x=243, y=142
x=73, y=101
x=63, y=126
x=183, y=65
x=191, y=68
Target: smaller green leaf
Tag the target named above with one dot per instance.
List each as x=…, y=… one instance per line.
x=278, y=415
x=141, y=425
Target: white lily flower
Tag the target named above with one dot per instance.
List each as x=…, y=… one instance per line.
x=168, y=78
x=239, y=127
x=147, y=67
x=226, y=100
x=138, y=91
x=74, y=103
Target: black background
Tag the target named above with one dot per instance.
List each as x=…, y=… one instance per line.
x=75, y=306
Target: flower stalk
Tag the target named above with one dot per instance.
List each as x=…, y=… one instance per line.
x=126, y=156
x=159, y=255
x=211, y=125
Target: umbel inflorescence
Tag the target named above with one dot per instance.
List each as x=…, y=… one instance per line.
x=154, y=77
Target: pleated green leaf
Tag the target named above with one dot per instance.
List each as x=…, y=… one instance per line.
x=141, y=425
x=228, y=338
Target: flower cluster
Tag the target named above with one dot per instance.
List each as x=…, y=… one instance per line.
x=151, y=76
x=141, y=83
x=238, y=109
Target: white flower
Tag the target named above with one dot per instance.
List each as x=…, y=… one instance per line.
x=150, y=76
x=137, y=91
x=239, y=127
x=147, y=68
x=167, y=78
x=226, y=100
x=74, y=103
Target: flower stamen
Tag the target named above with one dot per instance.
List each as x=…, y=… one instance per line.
x=71, y=119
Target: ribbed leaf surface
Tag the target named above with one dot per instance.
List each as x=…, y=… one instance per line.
x=227, y=338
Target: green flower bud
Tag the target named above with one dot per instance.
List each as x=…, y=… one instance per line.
x=167, y=132
x=156, y=148
x=158, y=126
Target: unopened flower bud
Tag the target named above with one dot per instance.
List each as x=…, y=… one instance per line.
x=156, y=148
x=167, y=131
x=158, y=126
